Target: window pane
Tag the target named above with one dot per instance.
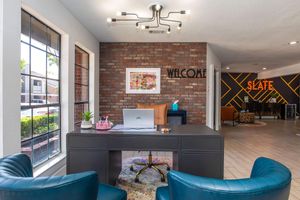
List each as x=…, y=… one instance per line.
x=26, y=124
x=38, y=62
x=79, y=109
x=24, y=61
x=25, y=90
x=40, y=74
x=25, y=28
x=82, y=75
x=52, y=66
x=81, y=93
x=81, y=57
x=54, y=118
x=53, y=91
x=54, y=143
x=53, y=42
x=40, y=121
x=26, y=148
x=40, y=149
x=38, y=91
x=38, y=34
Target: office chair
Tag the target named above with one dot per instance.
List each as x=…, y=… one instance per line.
x=160, y=118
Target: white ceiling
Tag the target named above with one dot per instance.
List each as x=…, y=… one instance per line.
x=245, y=34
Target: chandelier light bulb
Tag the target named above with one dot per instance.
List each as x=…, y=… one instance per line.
x=169, y=31
x=109, y=20
x=137, y=25
x=188, y=12
x=157, y=7
x=119, y=13
x=143, y=27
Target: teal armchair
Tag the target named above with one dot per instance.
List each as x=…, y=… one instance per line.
x=269, y=180
x=17, y=183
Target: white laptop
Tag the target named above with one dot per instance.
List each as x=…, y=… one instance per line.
x=138, y=118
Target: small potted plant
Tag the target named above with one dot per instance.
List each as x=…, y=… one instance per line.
x=86, y=120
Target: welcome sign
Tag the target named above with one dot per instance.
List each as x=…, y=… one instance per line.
x=186, y=73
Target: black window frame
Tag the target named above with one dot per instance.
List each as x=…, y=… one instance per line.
x=46, y=78
x=80, y=84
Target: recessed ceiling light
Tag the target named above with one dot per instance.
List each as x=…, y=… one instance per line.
x=227, y=67
x=264, y=68
x=293, y=43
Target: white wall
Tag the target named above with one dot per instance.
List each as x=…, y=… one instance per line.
x=55, y=15
x=213, y=64
x=283, y=71
x=10, y=17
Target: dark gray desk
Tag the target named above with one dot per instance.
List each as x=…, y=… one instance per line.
x=196, y=150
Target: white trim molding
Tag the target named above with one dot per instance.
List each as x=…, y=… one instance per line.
x=10, y=31
x=213, y=82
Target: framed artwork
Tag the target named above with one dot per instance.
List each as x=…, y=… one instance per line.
x=142, y=80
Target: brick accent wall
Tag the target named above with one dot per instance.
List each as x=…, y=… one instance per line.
x=116, y=57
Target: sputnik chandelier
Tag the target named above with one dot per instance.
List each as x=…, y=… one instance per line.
x=156, y=23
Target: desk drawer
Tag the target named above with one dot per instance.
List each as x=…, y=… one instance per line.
x=136, y=142
x=88, y=142
x=203, y=143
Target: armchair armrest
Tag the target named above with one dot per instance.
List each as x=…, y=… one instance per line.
x=76, y=187
x=18, y=165
x=185, y=186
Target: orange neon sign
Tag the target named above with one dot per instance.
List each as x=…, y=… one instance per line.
x=260, y=85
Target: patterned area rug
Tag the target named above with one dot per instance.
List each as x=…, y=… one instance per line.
x=149, y=180
x=255, y=124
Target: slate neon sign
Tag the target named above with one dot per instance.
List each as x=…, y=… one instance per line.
x=186, y=73
x=260, y=85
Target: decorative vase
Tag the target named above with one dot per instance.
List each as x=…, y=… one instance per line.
x=86, y=124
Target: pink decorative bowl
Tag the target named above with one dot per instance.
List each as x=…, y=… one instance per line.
x=104, y=125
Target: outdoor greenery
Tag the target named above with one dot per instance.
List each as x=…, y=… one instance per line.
x=52, y=60
x=40, y=125
x=22, y=64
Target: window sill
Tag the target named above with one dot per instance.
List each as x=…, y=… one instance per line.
x=50, y=167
